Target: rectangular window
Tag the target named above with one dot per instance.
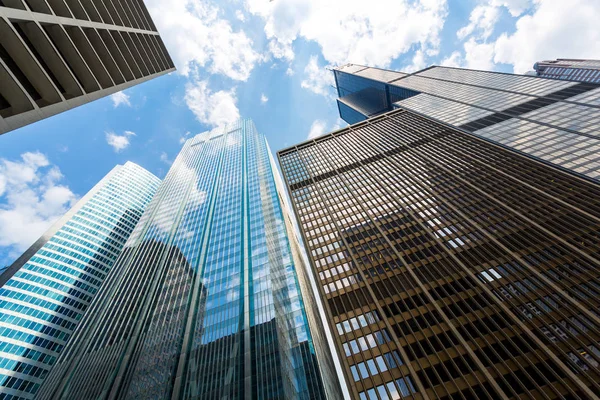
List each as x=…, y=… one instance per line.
x=381, y=364
x=363, y=370
x=405, y=385
x=372, y=367
x=354, y=373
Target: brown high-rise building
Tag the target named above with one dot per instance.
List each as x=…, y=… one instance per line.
x=450, y=267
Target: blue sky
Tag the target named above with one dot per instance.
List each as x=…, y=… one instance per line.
x=266, y=61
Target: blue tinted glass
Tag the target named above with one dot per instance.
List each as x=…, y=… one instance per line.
x=62, y=276
x=216, y=269
x=350, y=115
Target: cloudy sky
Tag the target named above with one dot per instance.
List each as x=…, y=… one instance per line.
x=265, y=60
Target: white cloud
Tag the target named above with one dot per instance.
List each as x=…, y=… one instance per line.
x=118, y=142
x=483, y=18
x=184, y=137
x=240, y=15
x=352, y=31
x=551, y=32
x=317, y=129
x=31, y=199
x=515, y=7
x=211, y=108
x=196, y=36
x=453, y=60
x=318, y=79
x=546, y=32
x=120, y=98
x=418, y=62
x=165, y=158
x=289, y=71
x=479, y=55
x=263, y=98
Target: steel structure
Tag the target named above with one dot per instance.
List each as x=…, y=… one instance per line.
x=452, y=268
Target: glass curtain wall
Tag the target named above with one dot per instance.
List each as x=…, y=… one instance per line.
x=48, y=290
x=554, y=121
x=205, y=301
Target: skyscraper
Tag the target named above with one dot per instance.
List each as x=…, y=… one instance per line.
x=45, y=292
x=569, y=69
x=451, y=267
x=59, y=54
x=209, y=300
x=554, y=121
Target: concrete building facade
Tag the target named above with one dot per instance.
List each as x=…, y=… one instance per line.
x=59, y=54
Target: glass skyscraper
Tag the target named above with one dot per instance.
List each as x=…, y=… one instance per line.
x=210, y=298
x=47, y=290
x=450, y=267
x=552, y=120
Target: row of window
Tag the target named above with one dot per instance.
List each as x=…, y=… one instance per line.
x=478, y=96
x=108, y=245
x=21, y=384
x=374, y=366
x=31, y=325
x=66, y=274
x=37, y=301
x=29, y=278
x=559, y=147
x=21, y=368
x=515, y=83
x=43, y=292
x=17, y=308
x=355, y=323
x=26, y=352
x=395, y=390
x=69, y=261
x=366, y=342
x=572, y=74
x=341, y=283
x=448, y=111
x=96, y=252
